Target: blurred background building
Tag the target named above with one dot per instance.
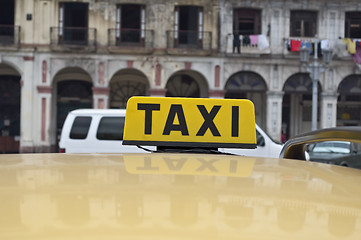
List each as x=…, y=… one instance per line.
x=56, y=56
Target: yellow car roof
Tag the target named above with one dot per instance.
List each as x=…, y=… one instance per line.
x=175, y=196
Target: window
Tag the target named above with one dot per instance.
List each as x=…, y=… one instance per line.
x=188, y=26
x=7, y=21
x=80, y=127
x=111, y=128
x=73, y=22
x=130, y=23
x=7, y=12
x=303, y=23
x=353, y=25
x=247, y=21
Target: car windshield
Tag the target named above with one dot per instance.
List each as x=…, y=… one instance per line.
x=332, y=147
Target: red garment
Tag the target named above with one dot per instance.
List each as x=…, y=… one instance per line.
x=295, y=45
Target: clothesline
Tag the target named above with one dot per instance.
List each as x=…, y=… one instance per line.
x=354, y=48
x=352, y=44
x=295, y=45
x=258, y=40
x=302, y=39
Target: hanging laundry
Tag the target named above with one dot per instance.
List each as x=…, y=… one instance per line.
x=295, y=45
x=358, y=45
x=254, y=39
x=288, y=43
x=246, y=40
x=262, y=42
x=325, y=44
x=319, y=50
x=351, y=46
x=357, y=56
x=236, y=43
x=306, y=45
x=339, y=48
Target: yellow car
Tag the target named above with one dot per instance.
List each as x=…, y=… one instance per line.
x=185, y=190
x=338, y=146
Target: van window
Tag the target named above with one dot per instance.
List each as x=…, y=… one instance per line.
x=80, y=127
x=111, y=128
x=260, y=139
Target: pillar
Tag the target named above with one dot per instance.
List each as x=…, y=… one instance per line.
x=216, y=93
x=157, y=92
x=100, y=97
x=26, y=111
x=328, y=115
x=274, y=114
x=44, y=103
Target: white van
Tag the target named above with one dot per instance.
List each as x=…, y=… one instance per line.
x=101, y=131
x=95, y=131
x=266, y=146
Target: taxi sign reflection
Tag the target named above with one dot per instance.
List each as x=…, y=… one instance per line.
x=193, y=164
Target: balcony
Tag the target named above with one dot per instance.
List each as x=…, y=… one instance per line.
x=189, y=43
x=130, y=41
x=10, y=36
x=73, y=39
x=259, y=45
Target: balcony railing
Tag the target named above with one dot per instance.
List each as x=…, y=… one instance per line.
x=73, y=36
x=9, y=35
x=131, y=38
x=189, y=40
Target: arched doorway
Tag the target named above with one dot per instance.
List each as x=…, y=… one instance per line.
x=9, y=109
x=297, y=105
x=125, y=84
x=187, y=84
x=73, y=90
x=249, y=85
x=349, y=101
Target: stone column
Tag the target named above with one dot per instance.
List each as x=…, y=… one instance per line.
x=100, y=97
x=274, y=114
x=157, y=92
x=216, y=93
x=44, y=103
x=27, y=112
x=328, y=115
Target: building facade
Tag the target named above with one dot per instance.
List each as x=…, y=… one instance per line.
x=56, y=56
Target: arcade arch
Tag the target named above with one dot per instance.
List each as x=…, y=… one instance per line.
x=187, y=83
x=125, y=84
x=10, y=99
x=349, y=101
x=249, y=85
x=297, y=105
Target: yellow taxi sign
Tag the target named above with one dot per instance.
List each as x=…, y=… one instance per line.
x=190, y=122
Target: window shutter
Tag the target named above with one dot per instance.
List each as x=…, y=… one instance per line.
x=142, y=23
x=61, y=19
x=200, y=24
x=117, y=21
x=176, y=22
